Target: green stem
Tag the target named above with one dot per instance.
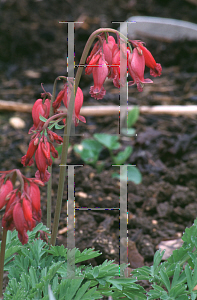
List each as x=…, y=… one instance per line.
x=68, y=128
x=49, y=183
x=2, y=256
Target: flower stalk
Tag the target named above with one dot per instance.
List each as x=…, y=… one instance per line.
x=67, y=130
x=49, y=183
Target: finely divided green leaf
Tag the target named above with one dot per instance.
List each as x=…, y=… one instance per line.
x=165, y=279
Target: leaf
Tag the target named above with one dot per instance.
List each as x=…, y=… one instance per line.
x=89, y=150
x=182, y=297
x=95, y=272
x=135, y=294
x=165, y=279
x=33, y=277
x=115, y=284
x=128, y=131
x=156, y=292
x=142, y=273
x=58, y=251
x=9, y=253
x=194, y=279
x=193, y=295
x=82, y=290
x=43, y=119
x=180, y=289
x=119, y=282
x=115, y=175
x=51, y=272
x=189, y=232
x=91, y=144
x=86, y=255
x=74, y=285
x=107, y=140
x=39, y=227
x=122, y=156
x=176, y=275
x=157, y=258
x=91, y=294
x=133, y=116
x=57, y=126
x=134, y=175
x=188, y=273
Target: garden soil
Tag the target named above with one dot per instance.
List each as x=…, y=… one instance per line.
x=33, y=50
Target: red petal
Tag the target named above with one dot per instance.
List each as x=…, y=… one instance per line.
x=27, y=209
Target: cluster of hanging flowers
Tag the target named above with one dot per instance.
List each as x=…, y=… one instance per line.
x=22, y=204
x=41, y=141
x=104, y=62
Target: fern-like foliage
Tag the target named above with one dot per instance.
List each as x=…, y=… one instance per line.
x=40, y=271
x=176, y=278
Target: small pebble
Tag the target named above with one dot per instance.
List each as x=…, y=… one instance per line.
x=17, y=123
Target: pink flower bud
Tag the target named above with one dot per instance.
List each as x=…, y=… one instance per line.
x=27, y=209
x=57, y=138
x=19, y=221
x=107, y=49
x=53, y=151
x=57, y=102
x=46, y=150
x=5, y=189
x=41, y=161
x=33, y=192
x=27, y=159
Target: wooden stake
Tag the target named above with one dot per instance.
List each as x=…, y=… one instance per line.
x=108, y=110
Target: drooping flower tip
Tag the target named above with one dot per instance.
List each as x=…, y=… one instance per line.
x=43, y=176
x=156, y=71
x=96, y=93
x=37, y=181
x=27, y=159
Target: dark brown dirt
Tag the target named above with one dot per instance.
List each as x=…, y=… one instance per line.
x=164, y=203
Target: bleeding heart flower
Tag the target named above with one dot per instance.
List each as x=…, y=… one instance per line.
x=100, y=73
x=20, y=224
x=136, y=66
x=40, y=109
x=64, y=96
x=155, y=68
